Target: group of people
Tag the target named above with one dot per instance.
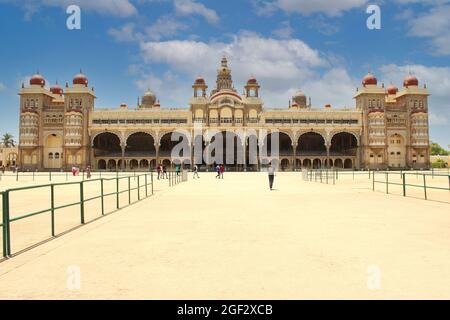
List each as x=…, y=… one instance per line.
x=220, y=169
x=162, y=172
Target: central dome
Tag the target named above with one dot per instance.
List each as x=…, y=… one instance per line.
x=148, y=98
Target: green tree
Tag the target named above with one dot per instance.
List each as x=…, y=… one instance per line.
x=8, y=140
x=437, y=150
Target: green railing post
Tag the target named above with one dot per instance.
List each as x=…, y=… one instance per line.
x=117, y=193
x=67, y=176
x=151, y=176
x=425, y=186
x=52, y=203
x=82, y=202
x=146, y=185
x=129, y=190
x=404, y=184
x=4, y=230
x=33, y=175
x=17, y=175
x=373, y=181
x=138, y=188
x=387, y=182
x=50, y=176
x=6, y=224
x=102, y=197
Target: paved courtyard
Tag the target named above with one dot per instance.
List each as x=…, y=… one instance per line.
x=235, y=239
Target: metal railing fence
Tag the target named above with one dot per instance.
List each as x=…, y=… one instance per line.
x=402, y=179
x=144, y=188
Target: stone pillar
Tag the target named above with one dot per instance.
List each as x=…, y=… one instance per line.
x=328, y=146
x=294, y=164
x=157, y=153
x=244, y=148
x=123, y=157
x=358, y=158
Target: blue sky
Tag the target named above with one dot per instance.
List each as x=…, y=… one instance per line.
x=320, y=46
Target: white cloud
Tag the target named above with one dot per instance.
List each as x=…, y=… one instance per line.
x=2, y=87
x=191, y=7
x=437, y=80
x=329, y=7
x=281, y=67
x=285, y=31
x=165, y=26
x=124, y=34
x=433, y=23
x=119, y=8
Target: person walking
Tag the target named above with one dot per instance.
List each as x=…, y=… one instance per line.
x=196, y=172
x=222, y=170
x=158, y=170
x=177, y=169
x=271, y=172
x=218, y=172
x=164, y=172
x=88, y=172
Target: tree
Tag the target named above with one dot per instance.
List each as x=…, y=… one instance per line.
x=8, y=140
x=437, y=150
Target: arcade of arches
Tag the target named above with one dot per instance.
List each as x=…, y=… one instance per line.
x=141, y=151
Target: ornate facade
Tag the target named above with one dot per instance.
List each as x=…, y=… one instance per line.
x=60, y=128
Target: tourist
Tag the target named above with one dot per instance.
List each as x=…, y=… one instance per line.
x=222, y=170
x=88, y=172
x=158, y=170
x=74, y=171
x=164, y=172
x=177, y=169
x=218, y=172
x=271, y=172
x=196, y=172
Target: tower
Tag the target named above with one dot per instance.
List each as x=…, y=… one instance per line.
x=224, y=80
x=79, y=102
x=252, y=88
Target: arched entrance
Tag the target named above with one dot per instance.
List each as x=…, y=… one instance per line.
x=140, y=144
x=344, y=144
x=53, y=152
x=338, y=164
x=311, y=144
x=348, y=164
x=230, y=152
x=101, y=165
x=112, y=165
x=167, y=146
x=396, y=151
x=107, y=144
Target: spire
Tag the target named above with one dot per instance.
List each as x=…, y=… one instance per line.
x=224, y=62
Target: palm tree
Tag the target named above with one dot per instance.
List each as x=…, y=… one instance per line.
x=8, y=140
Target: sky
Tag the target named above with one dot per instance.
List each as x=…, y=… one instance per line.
x=322, y=47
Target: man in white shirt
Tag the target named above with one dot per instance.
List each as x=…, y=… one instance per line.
x=271, y=172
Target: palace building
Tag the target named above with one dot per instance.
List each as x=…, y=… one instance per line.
x=61, y=128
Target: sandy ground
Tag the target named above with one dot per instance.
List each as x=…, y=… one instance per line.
x=235, y=239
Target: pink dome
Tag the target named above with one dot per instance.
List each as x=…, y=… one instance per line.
x=369, y=79
x=411, y=81
x=80, y=79
x=37, y=80
x=392, y=90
